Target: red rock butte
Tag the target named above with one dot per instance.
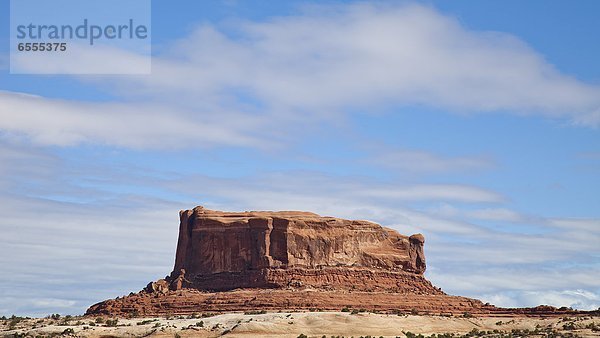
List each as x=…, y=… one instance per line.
x=287, y=260
x=228, y=250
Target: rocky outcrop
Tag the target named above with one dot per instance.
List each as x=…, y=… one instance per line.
x=226, y=250
x=288, y=260
x=191, y=301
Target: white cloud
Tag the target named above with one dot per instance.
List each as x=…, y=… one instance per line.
x=268, y=83
x=486, y=214
x=576, y=224
x=496, y=214
x=439, y=192
x=363, y=54
x=577, y=299
x=419, y=161
x=133, y=125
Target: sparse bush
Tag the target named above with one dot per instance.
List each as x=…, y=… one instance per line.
x=13, y=321
x=593, y=327
x=200, y=324
x=68, y=331
x=112, y=322
x=255, y=312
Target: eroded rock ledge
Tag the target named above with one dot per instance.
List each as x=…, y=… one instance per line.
x=258, y=249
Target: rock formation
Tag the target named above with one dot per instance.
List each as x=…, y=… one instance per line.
x=227, y=250
x=232, y=261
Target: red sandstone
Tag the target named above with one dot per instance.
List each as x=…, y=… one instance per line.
x=289, y=260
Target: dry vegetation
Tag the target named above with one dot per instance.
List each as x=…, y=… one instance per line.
x=301, y=324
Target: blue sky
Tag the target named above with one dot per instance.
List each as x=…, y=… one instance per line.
x=474, y=123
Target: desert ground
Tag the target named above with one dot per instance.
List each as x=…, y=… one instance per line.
x=300, y=324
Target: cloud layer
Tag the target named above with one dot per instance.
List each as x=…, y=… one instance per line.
x=262, y=83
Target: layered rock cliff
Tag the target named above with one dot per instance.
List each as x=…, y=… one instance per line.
x=226, y=250
x=232, y=261
x=239, y=261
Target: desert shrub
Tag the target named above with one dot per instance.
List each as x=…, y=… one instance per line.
x=412, y=335
x=593, y=327
x=255, y=312
x=68, y=331
x=13, y=321
x=112, y=322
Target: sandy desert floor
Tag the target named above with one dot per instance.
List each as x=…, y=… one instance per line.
x=303, y=324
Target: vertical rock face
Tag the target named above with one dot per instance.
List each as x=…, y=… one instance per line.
x=225, y=250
